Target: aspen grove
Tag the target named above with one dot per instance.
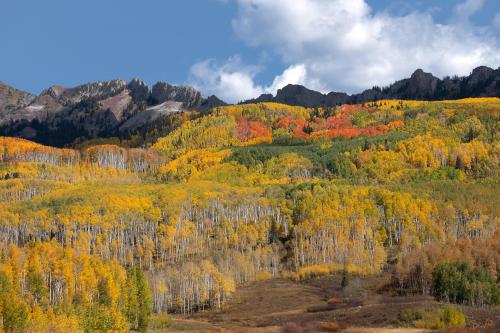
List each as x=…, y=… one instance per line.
x=240, y=193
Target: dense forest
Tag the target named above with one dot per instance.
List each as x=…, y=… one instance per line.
x=108, y=238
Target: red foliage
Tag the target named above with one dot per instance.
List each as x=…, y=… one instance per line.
x=350, y=109
x=375, y=130
x=395, y=124
x=345, y=132
x=338, y=125
x=251, y=129
x=294, y=125
x=333, y=123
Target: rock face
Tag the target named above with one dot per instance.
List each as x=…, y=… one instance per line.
x=212, y=102
x=334, y=98
x=59, y=115
x=150, y=114
x=482, y=82
x=188, y=96
x=294, y=94
x=12, y=99
x=96, y=90
x=299, y=95
x=139, y=91
x=420, y=85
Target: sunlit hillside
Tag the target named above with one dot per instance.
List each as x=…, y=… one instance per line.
x=111, y=238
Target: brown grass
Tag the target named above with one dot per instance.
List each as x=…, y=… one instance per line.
x=320, y=305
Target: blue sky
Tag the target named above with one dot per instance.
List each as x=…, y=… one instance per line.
x=240, y=48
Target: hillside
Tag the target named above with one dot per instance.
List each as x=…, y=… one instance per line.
x=137, y=115
x=66, y=116
x=99, y=238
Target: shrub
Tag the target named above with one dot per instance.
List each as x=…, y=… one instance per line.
x=449, y=317
x=160, y=321
x=264, y=275
x=453, y=317
x=309, y=272
x=409, y=316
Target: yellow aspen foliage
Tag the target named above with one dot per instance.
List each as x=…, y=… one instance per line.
x=243, y=193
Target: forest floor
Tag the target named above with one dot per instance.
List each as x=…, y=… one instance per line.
x=320, y=305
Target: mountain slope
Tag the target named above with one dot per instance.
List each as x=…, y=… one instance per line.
x=386, y=192
x=12, y=99
x=65, y=116
x=482, y=82
x=59, y=116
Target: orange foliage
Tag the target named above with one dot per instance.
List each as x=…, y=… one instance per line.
x=251, y=129
x=333, y=123
x=341, y=126
x=369, y=131
x=338, y=125
x=375, y=130
x=344, y=132
x=294, y=125
x=349, y=109
x=15, y=149
x=395, y=124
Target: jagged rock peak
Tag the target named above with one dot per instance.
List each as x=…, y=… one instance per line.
x=212, y=102
x=53, y=91
x=188, y=96
x=139, y=91
x=100, y=88
x=12, y=98
x=420, y=76
x=93, y=90
x=479, y=74
x=482, y=70
x=419, y=72
x=421, y=85
x=300, y=95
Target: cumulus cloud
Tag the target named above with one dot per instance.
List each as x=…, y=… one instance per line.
x=468, y=8
x=233, y=81
x=343, y=45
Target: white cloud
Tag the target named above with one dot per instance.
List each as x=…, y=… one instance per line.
x=468, y=8
x=233, y=81
x=295, y=74
x=344, y=45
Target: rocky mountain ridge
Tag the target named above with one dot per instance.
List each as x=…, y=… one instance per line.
x=60, y=115
x=482, y=82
